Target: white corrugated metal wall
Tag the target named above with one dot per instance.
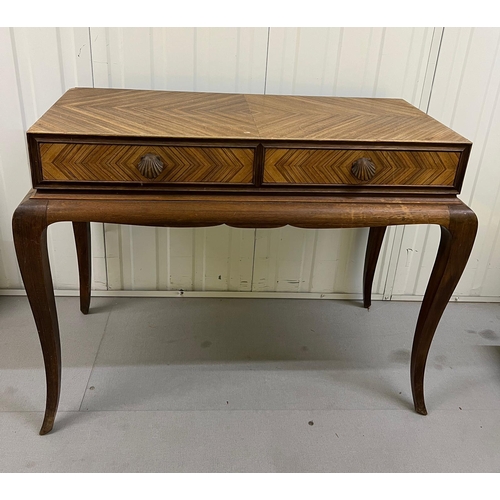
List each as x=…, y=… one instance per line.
x=452, y=73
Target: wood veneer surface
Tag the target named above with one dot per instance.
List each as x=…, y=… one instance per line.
x=152, y=113
x=95, y=162
x=324, y=166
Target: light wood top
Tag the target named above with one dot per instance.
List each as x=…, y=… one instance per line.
x=199, y=115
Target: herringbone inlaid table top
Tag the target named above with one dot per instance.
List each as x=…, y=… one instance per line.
x=149, y=113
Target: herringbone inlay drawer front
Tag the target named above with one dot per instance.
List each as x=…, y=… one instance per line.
x=158, y=164
x=330, y=166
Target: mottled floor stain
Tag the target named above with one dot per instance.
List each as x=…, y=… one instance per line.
x=489, y=334
x=439, y=361
x=400, y=356
x=206, y=344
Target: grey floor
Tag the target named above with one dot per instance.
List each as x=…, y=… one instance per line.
x=250, y=385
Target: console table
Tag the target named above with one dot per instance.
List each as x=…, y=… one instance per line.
x=185, y=159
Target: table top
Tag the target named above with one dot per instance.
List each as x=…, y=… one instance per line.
x=122, y=139
x=197, y=115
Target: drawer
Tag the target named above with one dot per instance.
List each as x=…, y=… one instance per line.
x=335, y=166
x=139, y=163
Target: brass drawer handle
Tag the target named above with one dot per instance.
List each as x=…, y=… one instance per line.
x=363, y=169
x=150, y=166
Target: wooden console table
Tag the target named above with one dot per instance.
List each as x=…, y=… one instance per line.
x=184, y=159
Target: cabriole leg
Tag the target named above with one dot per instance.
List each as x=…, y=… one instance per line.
x=454, y=250
x=82, y=240
x=30, y=239
x=375, y=239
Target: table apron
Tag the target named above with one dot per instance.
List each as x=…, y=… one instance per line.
x=253, y=214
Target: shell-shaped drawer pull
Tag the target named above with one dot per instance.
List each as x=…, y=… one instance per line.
x=150, y=166
x=363, y=169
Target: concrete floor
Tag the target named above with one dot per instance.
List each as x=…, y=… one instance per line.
x=250, y=385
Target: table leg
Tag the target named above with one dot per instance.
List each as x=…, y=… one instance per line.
x=29, y=226
x=375, y=239
x=454, y=250
x=82, y=240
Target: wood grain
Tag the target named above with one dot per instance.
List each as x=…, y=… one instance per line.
x=345, y=119
x=148, y=113
x=152, y=113
x=247, y=211
x=310, y=166
x=94, y=162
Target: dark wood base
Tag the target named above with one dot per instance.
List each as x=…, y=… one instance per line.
x=458, y=229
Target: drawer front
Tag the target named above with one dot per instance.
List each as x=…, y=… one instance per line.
x=334, y=166
x=157, y=164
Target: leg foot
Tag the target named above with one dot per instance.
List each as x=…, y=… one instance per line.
x=454, y=250
x=29, y=226
x=48, y=423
